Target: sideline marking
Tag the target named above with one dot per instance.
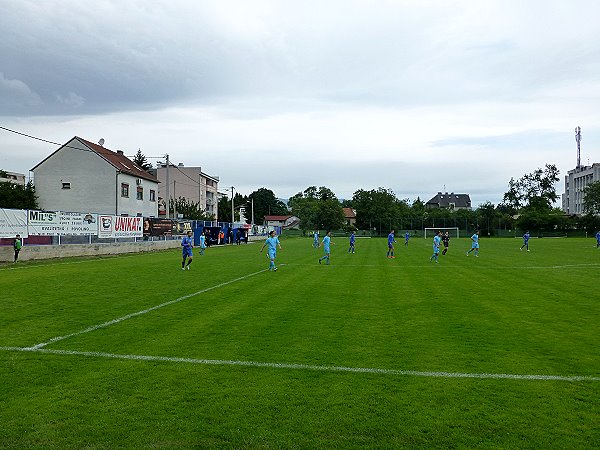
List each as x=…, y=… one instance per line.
x=399, y=266
x=220, y=362
x=139, y=313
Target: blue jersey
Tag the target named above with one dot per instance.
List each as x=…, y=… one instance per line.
x=407, y=236
x=526, y=237
x=475, y=239
x=186, y=245
x=326, y=242
x=202, y=241
x=391, y=239
x=272, y=243
x=352, y=238
x=598, y=236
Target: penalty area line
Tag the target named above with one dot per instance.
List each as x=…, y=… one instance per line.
x=139, y=313
x=288, y=366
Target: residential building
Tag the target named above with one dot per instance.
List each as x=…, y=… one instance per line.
x=350, y=216
x=82, y=176
x=12, y=177
x=287, y=222
x=449, y=201
x=190, y=183
x=575, y=181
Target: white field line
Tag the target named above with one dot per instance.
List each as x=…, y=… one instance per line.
x=402, y=266
x=139, y=313
x=368, y=370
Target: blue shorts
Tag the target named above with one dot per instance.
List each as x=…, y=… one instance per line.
x=272, y=254
x=475, y=245
x=187, y=252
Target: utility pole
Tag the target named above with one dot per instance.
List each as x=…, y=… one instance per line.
x=253, y=214
x=232, y=210
x=167, y=193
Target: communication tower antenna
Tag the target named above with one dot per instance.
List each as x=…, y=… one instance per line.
x=578, y=140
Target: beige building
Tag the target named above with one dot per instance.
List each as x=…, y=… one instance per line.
x=575, y=181
x=12, y=177
x=190, y=183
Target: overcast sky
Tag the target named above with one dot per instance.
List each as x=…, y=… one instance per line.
x=414, y=96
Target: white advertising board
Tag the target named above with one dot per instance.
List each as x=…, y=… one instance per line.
x=60, y=223
x=120, y=227
x=13, y=222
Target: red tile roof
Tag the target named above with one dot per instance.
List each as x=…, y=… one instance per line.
x=118, y=160
x=279, y=218
x=349, y=213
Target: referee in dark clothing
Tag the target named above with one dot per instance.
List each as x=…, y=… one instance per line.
x=445, y=241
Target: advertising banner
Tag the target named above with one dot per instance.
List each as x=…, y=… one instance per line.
x=13, y=222
x=154, y=226
x=60, y=223
x=120, y=227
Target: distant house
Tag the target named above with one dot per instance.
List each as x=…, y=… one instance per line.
x=82, y=176
x=12, y=177
x=350, y=216
x=450, y=201
x=282, y=221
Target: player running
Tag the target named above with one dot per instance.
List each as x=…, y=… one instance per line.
x=437, y=239
x=352, y=241
x=187, y=243
x=272, y=242
x=525, y=241
x=391, y=242
x=474, y=244
x=446, y=242
x=316, y=239
x=406, y=238
x=326, y=247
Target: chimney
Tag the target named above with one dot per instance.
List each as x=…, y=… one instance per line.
x=180, y=164
x=120, y=152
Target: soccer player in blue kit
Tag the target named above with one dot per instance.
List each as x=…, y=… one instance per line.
x=326, y=247
x=187, y=243
x=436, y=247
x=391, y=242
x=598, y=239
x=474, y=244
x=406, y=238
x=352, y=241
x=271, y=243
x=316, y=239
x=525, y=241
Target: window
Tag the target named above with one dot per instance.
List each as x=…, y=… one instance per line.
x=140, y=193
x=66, y=185
x=124, y=190
x=152, y=195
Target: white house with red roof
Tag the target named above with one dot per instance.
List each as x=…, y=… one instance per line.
x=282, y=221
x=85, y=177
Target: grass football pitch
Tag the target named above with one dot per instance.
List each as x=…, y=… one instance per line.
x=499, y=351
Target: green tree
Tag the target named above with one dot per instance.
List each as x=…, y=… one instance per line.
x=265, y=203
x=140, y=160
x=224, y=207
x=317, y=209
x=189, y=209
x=15, y=196
x=536, y=189
x=591, y=199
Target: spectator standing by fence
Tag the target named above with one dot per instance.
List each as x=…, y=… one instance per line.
x=17, y=246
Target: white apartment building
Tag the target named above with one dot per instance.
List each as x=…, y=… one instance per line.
x=575, y=181
x=85, y=177
x=12, y=177
x=190, y=183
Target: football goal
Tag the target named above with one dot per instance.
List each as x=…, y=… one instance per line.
x=452, y=231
